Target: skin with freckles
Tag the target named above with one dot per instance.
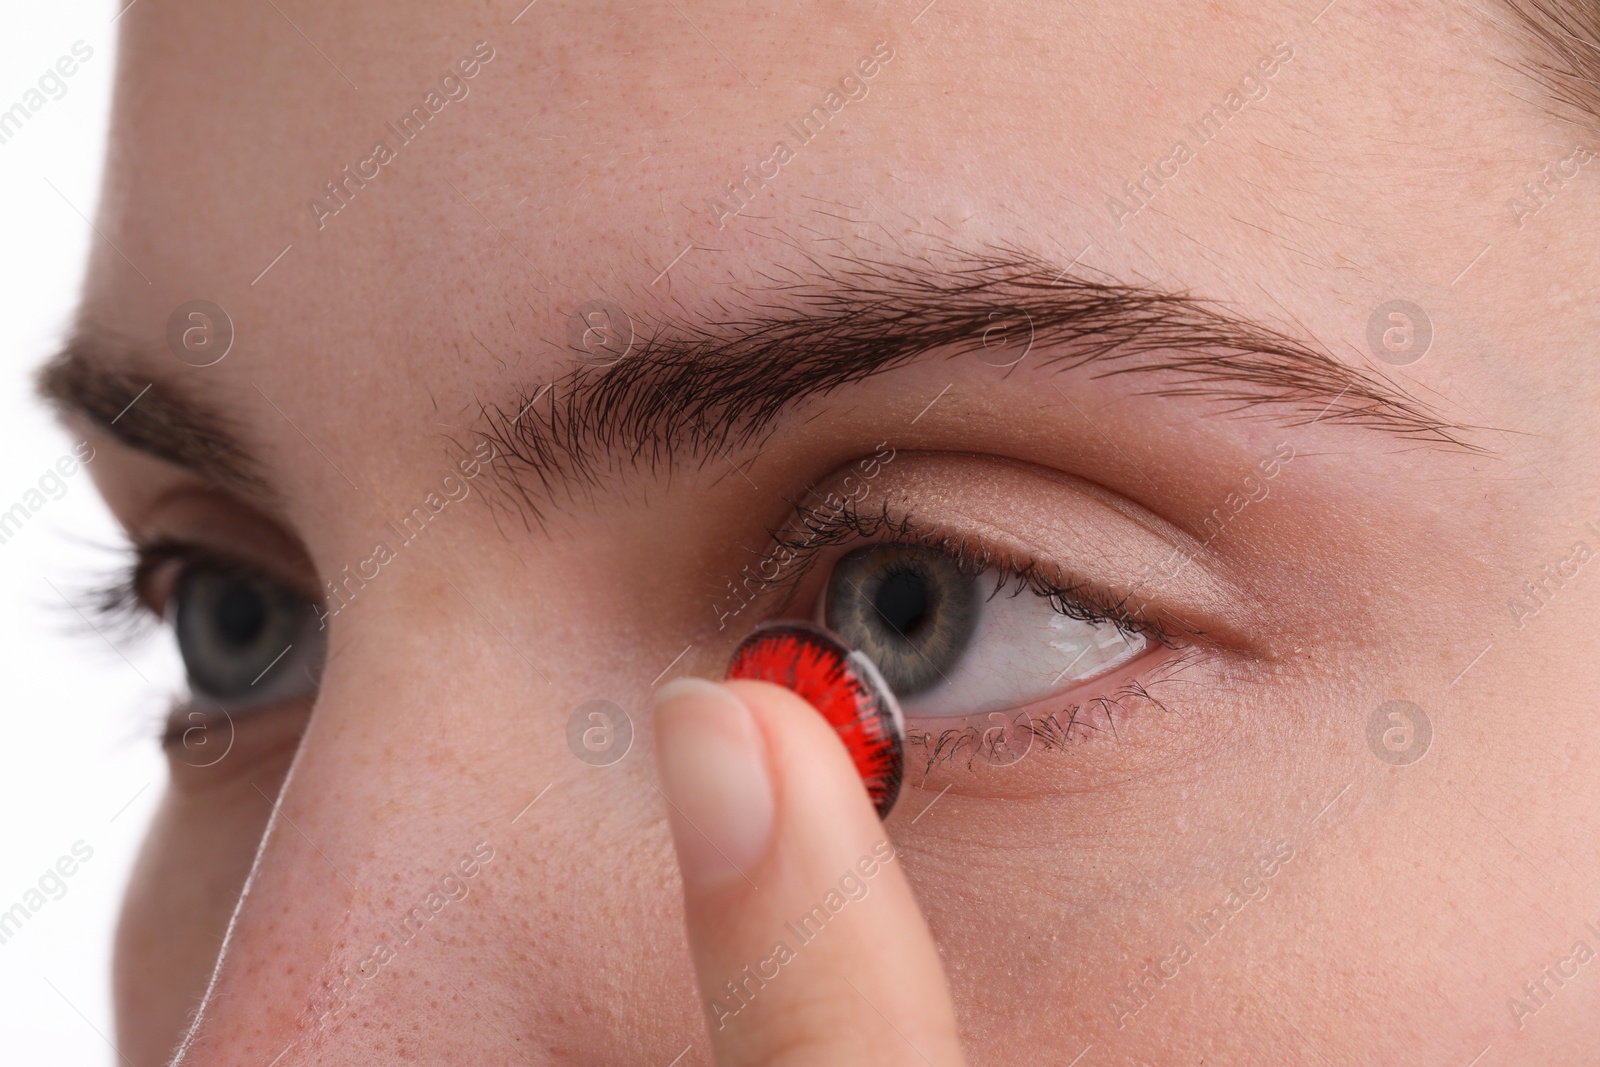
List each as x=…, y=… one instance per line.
x=1229, y=863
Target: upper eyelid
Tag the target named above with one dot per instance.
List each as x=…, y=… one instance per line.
x=120, y=597
x=153, y=557
x=1075, y=593
x=1085, y=535
x=200, y=526
x=114, y=596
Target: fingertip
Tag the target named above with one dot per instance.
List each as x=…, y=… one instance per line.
x=841, y=685
x=713, y=764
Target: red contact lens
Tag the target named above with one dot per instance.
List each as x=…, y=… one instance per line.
x=844, y=686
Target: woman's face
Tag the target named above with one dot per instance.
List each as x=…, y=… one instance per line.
x=570, y=343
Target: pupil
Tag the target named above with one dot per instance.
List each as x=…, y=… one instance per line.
x=240, y=614
x=908, y=608
x=902, y=600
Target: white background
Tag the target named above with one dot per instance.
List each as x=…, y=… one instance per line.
x=78, y=759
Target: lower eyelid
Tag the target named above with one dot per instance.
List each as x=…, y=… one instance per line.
x=1099, y=710
x=216, y=748
x=186, y=722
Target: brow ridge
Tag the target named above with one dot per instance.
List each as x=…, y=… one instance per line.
x=89, y=376
x=698, y=387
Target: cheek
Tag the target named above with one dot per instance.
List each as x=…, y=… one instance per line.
x=193, y=863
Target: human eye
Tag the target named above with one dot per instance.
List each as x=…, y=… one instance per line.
x=990, y=645
x=246, y=640
x=955, y=638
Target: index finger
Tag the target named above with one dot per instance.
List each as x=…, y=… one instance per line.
x=809, y=947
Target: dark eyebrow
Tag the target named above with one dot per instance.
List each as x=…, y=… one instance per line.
x=700, y=387
x=1560, y=42
x=88, y=377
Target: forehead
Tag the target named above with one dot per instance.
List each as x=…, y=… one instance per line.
x=602, y=138
x=390, y=193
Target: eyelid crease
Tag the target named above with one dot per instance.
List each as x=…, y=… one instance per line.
x=1134, y=512
x=1069, y=594
x=1079, y=533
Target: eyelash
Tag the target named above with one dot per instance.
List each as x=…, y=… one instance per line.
x=116, y=596
x=1048, y=731
x=118, y=601
x=821, y=528
x=812, y=529
x=116, y=604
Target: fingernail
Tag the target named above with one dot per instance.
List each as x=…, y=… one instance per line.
x=713, y=765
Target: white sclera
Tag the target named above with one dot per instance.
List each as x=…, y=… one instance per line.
x=1022, y=651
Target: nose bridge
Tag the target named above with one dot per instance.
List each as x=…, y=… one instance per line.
x=434, y=854
x=381, y=846
x=375, y=858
